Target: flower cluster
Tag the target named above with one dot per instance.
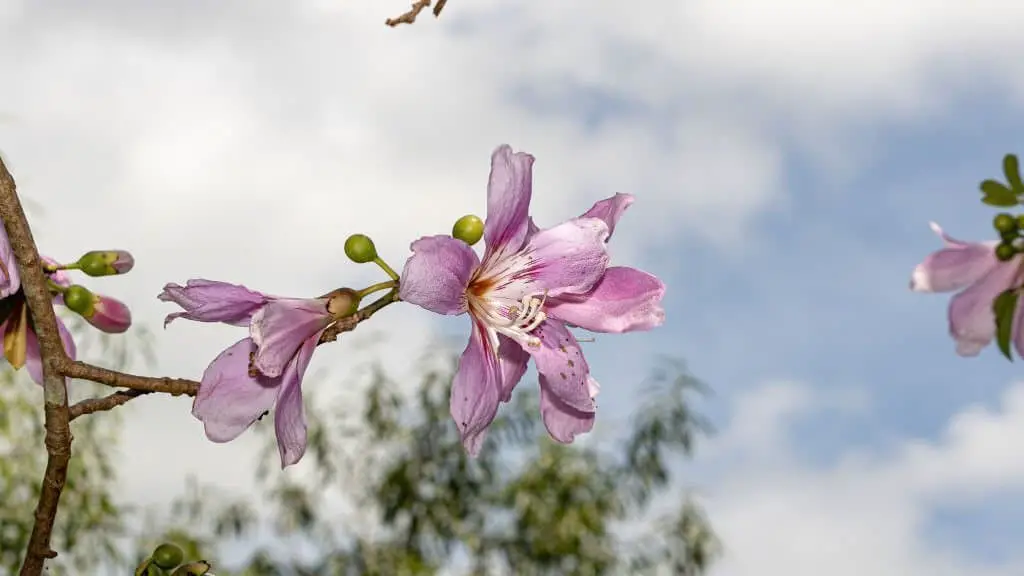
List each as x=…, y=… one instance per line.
x=21, y=347
x=523, y=295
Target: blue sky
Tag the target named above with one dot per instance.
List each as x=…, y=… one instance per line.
x=786, y=161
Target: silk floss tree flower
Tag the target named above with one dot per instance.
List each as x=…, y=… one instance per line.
x=530, y=286
x=981, y=272
x=264, y=370
x=21, y=346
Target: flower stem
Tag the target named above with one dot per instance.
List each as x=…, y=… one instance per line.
x=387, y=269
x=376, y=288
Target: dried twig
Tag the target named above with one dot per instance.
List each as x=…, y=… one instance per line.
x=417, y=7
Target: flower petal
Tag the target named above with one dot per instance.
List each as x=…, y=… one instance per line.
x=610, y=210
x=10, y=279
x=436, y=275
x=971, y=319
x=33, y=356
x=281, y=326
x=230, y=400
x=560, y=360
x=508, y=200
x=476, y=390
x=290, y=413
x=512, y=360
x=213, y=301
x=563, y=422
x=569, y=258
x=957, y=265
x=110, y=315
x=625, y=300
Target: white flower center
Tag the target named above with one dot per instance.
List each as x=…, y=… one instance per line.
x=500, y=296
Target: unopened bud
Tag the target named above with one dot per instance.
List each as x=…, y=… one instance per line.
x=343, y=302
x=110, y=315
x=469, y=229
x=105, y=262
x=80, y=300
x=167, y=556
x=360, y=249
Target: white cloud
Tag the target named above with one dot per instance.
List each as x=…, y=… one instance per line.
x=869, y=512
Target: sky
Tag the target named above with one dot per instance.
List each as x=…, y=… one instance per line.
x=786, y=158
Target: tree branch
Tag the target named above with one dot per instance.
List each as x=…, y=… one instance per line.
x=417, y=7
x=55, y=395
x=105, y=403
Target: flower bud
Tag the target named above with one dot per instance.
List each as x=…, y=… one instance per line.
x=360, y=249
x=110, y=315
x=469, y=229
x=167, y=556
x=1005, y=252
x=105, y=262
x=343, y=302
x=79, y=299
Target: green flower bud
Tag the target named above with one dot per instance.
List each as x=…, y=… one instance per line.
x=167, y=556
x=1005, y=223
x=79, y=299
x=360, y=249
x=1005, y=251
x=469, y=229
x=105, y=262
x=1020, y=222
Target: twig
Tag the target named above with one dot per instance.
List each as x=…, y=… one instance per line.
x=417, y=7
x=105, y=403
x=55, y=395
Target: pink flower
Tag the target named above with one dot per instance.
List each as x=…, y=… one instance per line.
x=974, y=269
x=530, y=285
x=21, y=347
x=258, y=373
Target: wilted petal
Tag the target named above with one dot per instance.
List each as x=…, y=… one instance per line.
x=512, y=360
x=290, y=413
x=33, y=355
x=508, y=200
x=610, y=210
x=957, y=265
x=971, y=319
x=213, y=301
x=624, y=300
x=10, y=280
x=476, y=391
x=563, y=422
x=281, y=326
x=110, y=315
x=569, y=258
x=229, y=400
x=436, y=275
x=559, y=358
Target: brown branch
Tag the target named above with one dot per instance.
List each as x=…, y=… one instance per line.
x=55, y=394
x=105, y=403
x=417, y=7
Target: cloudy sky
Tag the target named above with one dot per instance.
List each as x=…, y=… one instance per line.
x=786, y=157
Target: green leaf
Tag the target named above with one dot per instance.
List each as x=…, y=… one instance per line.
x=997, y=194
x=1011, y=167
x=1004, y=307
